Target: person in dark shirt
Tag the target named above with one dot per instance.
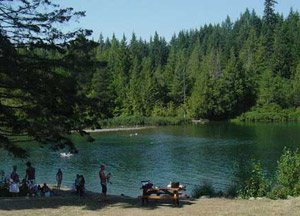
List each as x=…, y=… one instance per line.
x=30, y=174
x=77, y=183
x=81, y=186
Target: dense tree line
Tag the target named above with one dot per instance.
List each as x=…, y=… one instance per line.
x=215, y=72
x=52, y=82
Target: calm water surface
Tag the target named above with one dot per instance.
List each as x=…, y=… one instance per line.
x=188, y=154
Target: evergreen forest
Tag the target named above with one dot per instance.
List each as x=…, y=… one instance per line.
x=217, y=72
x=54, y=82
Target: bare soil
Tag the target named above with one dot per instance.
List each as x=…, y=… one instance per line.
x=67, y=203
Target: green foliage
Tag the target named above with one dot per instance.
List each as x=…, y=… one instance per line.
x=164, y=121
x=232, y=191
x=269, y=113
x=288, y=173
x=251, y=180
x=204, y=189
x=279, y=192
x=143, y=121
x=52, y=83
x=296, y=87
x=39, y=95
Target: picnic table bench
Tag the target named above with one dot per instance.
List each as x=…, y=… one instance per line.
x=160, y=194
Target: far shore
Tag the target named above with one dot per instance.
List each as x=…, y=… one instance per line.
x=116, y=129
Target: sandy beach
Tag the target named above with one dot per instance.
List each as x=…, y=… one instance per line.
x=67, y=203
x=115, y=129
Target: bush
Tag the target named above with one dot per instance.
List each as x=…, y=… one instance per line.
x=269, y=113
x=204, y=189
x=279, y=192
x=124, y=121
x=232, y=191
x=288, y=173
x=143, y=121
x=251, y=180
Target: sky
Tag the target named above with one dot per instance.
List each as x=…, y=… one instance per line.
x=144, y=17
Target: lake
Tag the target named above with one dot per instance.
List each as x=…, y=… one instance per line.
x=188, y=154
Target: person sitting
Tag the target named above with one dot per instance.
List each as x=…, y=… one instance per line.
x=46, y=191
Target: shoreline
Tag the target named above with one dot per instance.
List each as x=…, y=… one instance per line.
x=65, y=202
x=116, y=129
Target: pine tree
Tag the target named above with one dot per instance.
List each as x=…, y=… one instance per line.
x=193, y=65
x=269, y=23
x=133, y=98
x=296, y=87
x=39, y=100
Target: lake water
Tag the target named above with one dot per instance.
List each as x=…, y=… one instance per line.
x=188, y=154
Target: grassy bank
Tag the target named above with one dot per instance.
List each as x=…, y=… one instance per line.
x=143, y=121
x=270, y=113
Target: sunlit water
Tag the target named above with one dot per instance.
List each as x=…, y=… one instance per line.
x=188, y=154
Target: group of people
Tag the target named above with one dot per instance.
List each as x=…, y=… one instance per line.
x=28, y=181
x=104, y=180
x=30, y=184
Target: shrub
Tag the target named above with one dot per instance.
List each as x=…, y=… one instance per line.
x=142, y=121
x=269, y=113
x=204, y=189
x=288, y=173
x=251, y=180
x=232, y=191
x=279, y=192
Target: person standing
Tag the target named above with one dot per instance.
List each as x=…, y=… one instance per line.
x=30, y=174
x=104, y=179
x=14, y=186
x=81, y=186
x=59, y=178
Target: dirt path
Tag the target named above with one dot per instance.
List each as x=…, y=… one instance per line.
x=66, y=203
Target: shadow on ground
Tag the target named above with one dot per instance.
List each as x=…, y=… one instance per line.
x=89, y=202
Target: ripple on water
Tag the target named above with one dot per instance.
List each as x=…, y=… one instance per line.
x=189, y=155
